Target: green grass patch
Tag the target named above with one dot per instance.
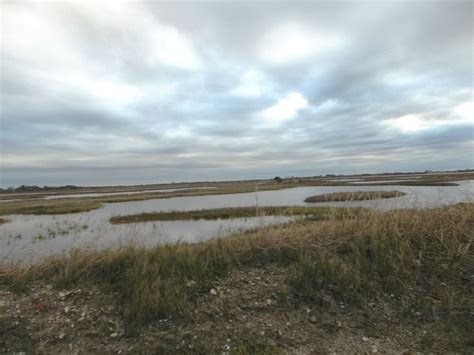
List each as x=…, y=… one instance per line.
x=223, y=213
x=253, y=346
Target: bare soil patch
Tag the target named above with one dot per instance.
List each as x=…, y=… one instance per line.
x=247, y=311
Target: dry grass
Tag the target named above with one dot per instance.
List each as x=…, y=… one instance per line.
x=38, y=207
x=424, y=258
x=3, y=220
x=354, y=196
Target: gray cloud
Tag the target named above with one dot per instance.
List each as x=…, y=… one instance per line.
x=159, y=91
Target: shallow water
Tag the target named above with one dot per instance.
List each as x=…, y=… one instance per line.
x=46, y=196
x=344, y=180
x=98, y=194
x=28, y=237
x=378, y=182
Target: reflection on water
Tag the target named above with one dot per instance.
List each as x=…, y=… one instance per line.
x=29, y=237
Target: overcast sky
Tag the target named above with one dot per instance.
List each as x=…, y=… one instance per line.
x=140, y=92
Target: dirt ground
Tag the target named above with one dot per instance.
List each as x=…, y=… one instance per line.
x=248, y=311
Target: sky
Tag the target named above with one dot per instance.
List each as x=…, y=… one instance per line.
x=106, y=93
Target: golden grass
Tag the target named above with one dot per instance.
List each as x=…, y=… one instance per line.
x=354, y=196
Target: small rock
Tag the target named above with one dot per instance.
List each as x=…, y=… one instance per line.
x=374, y=349
x=269, y=302
x=365, y=339
x=191, y=283
x=313, y=319
x=61, y=336
x=114, y=335
x=213, y=292
x=66, y=310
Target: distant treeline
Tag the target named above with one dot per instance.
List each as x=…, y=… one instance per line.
x=34, y=188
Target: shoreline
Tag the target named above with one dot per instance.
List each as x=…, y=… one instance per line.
x=342, y=270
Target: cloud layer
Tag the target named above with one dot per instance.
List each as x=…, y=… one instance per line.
x=136, y=92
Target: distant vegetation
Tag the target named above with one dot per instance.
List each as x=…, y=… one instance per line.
x=34, y=188
x=354, y=196
x=433, y=177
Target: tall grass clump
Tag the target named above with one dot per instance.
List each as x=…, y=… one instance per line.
x=392, y=250
x=149, y=283
x=424, y=260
